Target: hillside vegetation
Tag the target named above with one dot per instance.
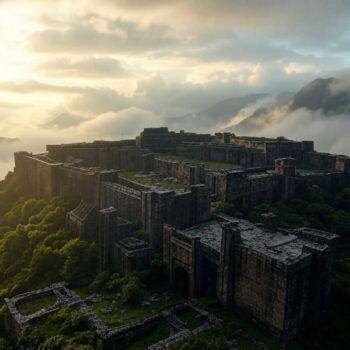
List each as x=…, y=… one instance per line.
x=36, y=248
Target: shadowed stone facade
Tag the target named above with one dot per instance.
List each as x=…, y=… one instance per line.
x=131, y=254
x=280, y=278
x=83, y=221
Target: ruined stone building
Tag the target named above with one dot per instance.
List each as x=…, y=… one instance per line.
x=108, y=338
x=280, y=278
x=163, y=183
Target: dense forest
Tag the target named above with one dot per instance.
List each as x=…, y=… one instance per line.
x=37, y=249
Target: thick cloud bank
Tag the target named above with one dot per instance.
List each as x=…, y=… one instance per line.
x=330, y=132
x=126, y=123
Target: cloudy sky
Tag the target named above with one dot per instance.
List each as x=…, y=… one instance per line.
x=109, y=68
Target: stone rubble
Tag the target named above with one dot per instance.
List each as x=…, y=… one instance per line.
x=109, y=337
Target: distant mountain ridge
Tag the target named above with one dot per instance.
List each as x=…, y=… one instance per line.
x=224, y=110
x=219, y=113
x=8, y=140
x=330, y=96
x=321, y=94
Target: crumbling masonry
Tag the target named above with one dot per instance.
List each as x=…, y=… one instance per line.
x=108, y=338
x=162, y=184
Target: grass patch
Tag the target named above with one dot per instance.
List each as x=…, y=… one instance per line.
x=159, y=332
x=121, y=314
x=29, y=307
x=188, y=317
x=232, y=322
x=207, y=163
x=124, y=314
x=153, y=180
x=243, y=344
x=82, y=291
x=141, y=234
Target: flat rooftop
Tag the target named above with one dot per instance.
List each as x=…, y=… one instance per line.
x=209, y=232
x=133, y=243
x=208, y=164
x=154, y=181
x=283, y=246
x=259, y=175
x=43, y=157
x=311, y=172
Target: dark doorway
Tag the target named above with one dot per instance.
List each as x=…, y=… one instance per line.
x=182, y=280
x=209, y=278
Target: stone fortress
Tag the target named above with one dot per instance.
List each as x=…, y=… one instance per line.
x=163, y=183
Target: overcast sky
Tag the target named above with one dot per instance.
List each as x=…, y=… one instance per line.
x=130, y=63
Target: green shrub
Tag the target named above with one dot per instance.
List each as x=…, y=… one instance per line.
x=132, y=292
x=100, y=281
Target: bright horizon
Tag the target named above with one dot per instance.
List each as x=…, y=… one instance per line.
x=114, y=67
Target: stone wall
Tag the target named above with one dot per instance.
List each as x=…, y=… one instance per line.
x=275, y=148
x=182, y=255
x=343, y=164
x=111, y=229
x=223, y=153
x=76, y=183
x=188, y=208
x=114, y=155
x=131, y=159
x=61, y=152
x=320, y=273
x=154, y=208
x=107, y=230
x=284, y=296
x=285, y=166
x=252, y=187
x=188, y=173
x=107, y=338
x=190, y=150
x=41, y=174
x=17, y=323
x=162, y=140
x=47, y=178
x=245, y=187
x=331, y=182
x=283, y=149
x=261, y=286
x=130, y=254
x=317, y=160
x=250, y=142
x=150, y=209
x=126, y=200
x=179, y=209
x=83, y=221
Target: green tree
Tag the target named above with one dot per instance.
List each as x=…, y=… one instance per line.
x=116, y=283
x=81, y=260
x=132, y=292
x=31, y=207
x=314, y=194
x=45, y=265
x=4, y=344
x=100, y=281
x=56, y=342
